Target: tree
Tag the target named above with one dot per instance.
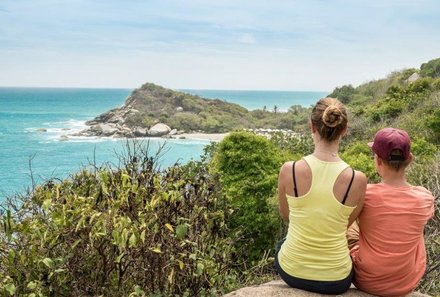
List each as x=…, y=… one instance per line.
x=344, y=93
x=431, y=68
x=248, y=166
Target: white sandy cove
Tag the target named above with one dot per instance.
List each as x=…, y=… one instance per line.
x=205, y=136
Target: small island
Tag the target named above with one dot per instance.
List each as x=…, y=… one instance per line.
x=155, y=111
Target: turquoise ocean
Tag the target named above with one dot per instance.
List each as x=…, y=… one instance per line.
x=32, y=121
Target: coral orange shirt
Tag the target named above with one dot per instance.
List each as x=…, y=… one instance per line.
x=391, y=258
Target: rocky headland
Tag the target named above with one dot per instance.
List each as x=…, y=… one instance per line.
x=154, y=111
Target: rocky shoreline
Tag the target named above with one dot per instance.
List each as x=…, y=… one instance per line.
x=118, y=130
x=150, y=111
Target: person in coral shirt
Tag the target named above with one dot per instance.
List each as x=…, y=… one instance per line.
x=389, y=257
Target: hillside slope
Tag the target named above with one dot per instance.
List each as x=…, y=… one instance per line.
x=152, y=104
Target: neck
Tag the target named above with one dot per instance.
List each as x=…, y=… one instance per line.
x=394, y=178
x=326, y=150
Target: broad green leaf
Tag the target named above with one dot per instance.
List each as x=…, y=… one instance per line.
x=48, y=262
x=46, y=204
x=193, y=256
x=169, y=227
x=181, y=231
x=200, y=268
x=181, y=265
x=156, y=250
x=132, y=241
x=10, y=288
x=31, y=285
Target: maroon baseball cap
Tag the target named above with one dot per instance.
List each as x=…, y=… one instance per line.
x=389, y=139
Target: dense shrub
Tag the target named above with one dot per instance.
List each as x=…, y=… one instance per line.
x=428, y=175
x=248, y=167
x=118, y=232
x=431, y=68
x=344, y=93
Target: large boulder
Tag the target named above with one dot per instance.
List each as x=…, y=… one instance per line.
x=140, y=132
x=414, y=77
x=104, y=129
x=159, y=130
x=278, y=288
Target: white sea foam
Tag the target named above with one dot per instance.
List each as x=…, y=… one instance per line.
x=58, y=131
x=66, y=130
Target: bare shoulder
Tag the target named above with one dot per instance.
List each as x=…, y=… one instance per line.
x=286, y=170
x=286, y=167
x=360, y=178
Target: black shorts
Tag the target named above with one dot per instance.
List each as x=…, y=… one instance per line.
x=322, y=287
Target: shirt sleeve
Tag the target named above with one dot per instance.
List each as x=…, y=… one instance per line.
x=432, y=210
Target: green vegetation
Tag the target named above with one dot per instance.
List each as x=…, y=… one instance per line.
x=248, y=166
x=207, y=227
x=130, y=231
x=413, y=106
x=187, y=112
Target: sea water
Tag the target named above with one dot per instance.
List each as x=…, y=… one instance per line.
x=33, y=122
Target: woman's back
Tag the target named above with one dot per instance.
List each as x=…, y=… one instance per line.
x=320, y=197
x=316, y=246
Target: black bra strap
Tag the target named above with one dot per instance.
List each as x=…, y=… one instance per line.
x=349, y=186
x=294, y=179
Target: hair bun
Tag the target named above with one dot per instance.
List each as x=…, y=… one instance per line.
x=332, y=116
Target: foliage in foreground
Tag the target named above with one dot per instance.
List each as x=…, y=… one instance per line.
x=131, y=231
x=248, y=166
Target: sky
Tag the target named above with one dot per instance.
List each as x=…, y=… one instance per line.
x=302, y=45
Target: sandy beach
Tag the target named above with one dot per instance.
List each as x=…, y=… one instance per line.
x=205, y=136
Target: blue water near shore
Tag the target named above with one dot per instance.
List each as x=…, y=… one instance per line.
x=32, y=121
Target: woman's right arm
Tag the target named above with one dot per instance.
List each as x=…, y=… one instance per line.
x=282, y=181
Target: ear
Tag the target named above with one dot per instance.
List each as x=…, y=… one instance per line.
x=312, y=127
x=378, y=160
x=411, y=157
x=345, y=131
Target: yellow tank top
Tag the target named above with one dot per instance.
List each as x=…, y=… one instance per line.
x=316, y=245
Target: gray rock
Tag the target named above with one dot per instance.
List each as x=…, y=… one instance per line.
x=104, y=129
x=41, y=130
x=133, y=111
x=415, y=76
x=173, y=132
x=116, y=119
x=140, y=132
x=279, y=288
x=159, y=130
x=180, y=108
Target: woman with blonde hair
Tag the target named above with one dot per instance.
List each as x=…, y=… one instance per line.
x=320, y=196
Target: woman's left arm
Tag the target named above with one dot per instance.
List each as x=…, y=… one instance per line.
x=357, y=194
